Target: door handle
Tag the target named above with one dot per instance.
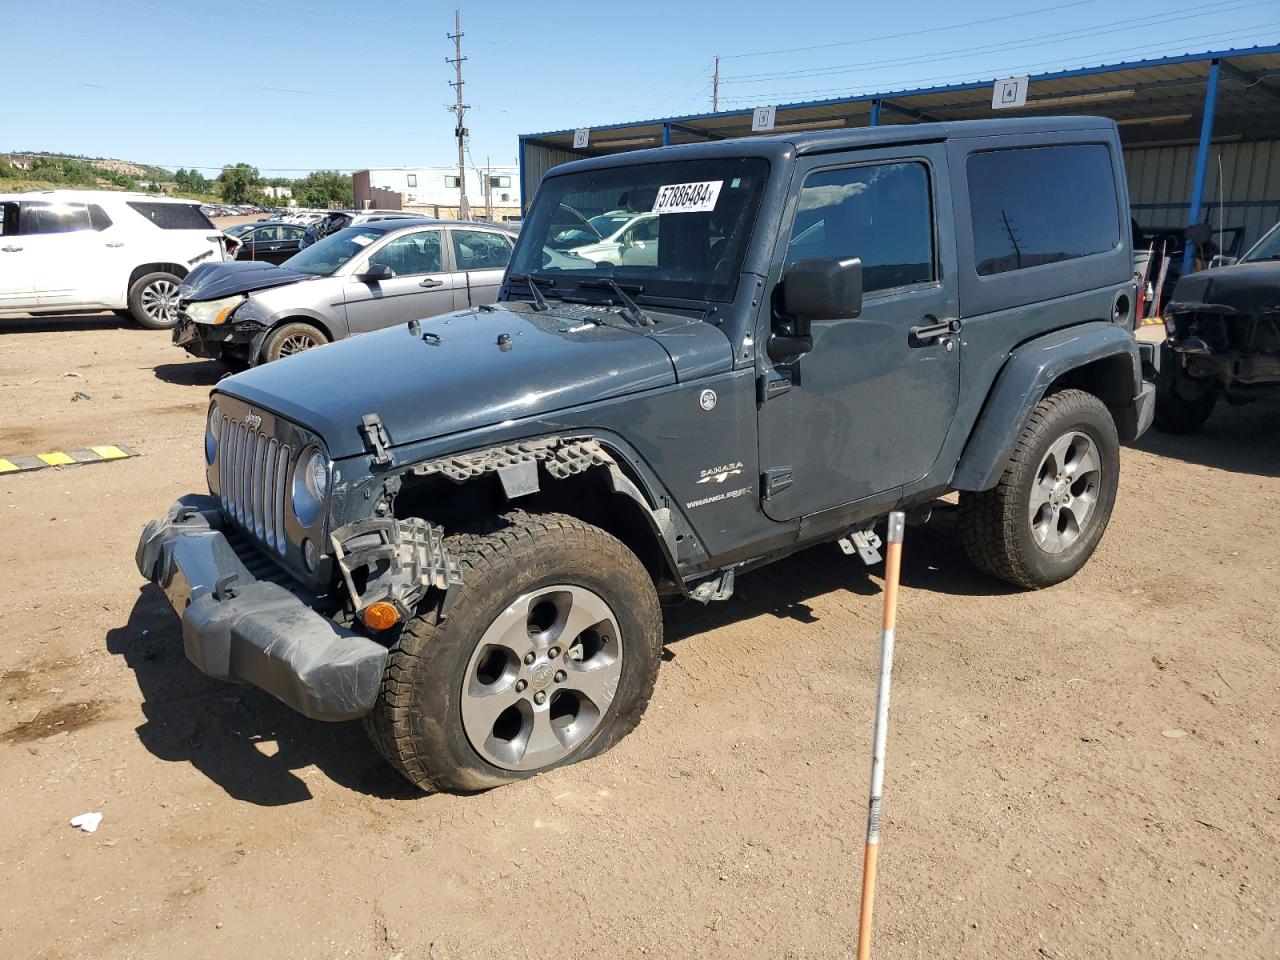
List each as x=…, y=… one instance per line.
x=429, y=282
x=935, y=330
x=115, y=243
x=274, y=246
x=11, y=249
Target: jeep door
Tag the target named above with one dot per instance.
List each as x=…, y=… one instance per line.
x=480, y=258
x=421, y=284
x=867, y=409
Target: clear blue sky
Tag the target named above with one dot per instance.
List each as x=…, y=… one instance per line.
x=296, y=85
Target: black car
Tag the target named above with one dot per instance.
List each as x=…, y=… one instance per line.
x=272, y=242
x=1223, y=338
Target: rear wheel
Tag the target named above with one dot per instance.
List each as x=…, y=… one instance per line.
x=549, y=656
x=153, y=300
x=1041, y=522
x=1183, y=403
x=290, y=338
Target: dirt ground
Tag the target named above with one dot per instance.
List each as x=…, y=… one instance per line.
x=1086, y=772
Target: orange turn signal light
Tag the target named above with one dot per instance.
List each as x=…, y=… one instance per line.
x=380, y=615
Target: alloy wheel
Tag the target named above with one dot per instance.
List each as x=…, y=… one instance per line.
x=160, y=301
x=1065, y=492
x=296, y=344
x=542, y=677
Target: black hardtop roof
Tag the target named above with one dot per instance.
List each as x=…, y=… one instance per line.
x=801, y=142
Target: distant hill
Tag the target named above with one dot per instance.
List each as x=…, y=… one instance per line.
x=140, y=171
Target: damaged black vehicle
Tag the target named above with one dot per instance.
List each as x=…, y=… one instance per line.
x=1223, y=339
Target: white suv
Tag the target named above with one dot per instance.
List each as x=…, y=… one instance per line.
x=65, y=250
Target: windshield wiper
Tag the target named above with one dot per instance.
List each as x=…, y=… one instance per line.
x=630, y=309
x=539, y=301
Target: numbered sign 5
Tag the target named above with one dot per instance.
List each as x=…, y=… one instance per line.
x=762, y=119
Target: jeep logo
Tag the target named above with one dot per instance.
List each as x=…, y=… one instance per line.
x=253, y=421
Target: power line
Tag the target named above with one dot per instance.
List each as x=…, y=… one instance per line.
x=907, y=86
x=914, y=32
x=1079, y=33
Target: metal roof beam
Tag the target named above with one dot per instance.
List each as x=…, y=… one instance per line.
x=1249, y=79
x=907, y=111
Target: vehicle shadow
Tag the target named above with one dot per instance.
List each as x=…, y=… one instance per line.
x=242, y=739
x=1239, y=439
x=51, y=323
x=194, y=373
x=932, y=559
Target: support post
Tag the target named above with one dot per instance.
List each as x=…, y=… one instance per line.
x=875, y=113
x=524, y=187
x=666, y=134
x=1202, y=157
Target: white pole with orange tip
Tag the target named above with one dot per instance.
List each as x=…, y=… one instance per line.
x=892, y=570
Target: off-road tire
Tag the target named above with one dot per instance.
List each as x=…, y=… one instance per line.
x=417, y=722
x=995, y=524
x=276, y=345
x=1175, y=413
x=136, y=309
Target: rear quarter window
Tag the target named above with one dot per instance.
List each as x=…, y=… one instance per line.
x=1039, y=205
x=172, y=216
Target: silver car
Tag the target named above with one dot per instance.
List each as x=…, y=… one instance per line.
x=353, y=281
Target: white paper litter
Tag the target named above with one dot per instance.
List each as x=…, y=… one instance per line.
x=88, y=822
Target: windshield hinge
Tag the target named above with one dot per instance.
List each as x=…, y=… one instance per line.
x=770, y=385
x=376, y=440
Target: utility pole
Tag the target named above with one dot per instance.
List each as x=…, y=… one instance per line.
x=459, y=110
x=488, y=191
x=715, y=88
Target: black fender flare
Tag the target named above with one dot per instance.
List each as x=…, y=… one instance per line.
x=1031, y=369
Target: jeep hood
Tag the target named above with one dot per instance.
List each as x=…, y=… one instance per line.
x=1244, y=288
x=212, y=281
x=478, y=367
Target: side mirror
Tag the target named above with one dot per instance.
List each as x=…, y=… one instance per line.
x=823, y=288
x=1222, y=260
x=1199, y=233
x=375, y=273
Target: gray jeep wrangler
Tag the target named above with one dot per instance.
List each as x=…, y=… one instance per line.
x=462, y=529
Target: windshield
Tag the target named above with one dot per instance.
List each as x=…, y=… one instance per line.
x=607, y=223
x=325, y=256
x=239, y=229
x=1268, y=248
x=690, y=246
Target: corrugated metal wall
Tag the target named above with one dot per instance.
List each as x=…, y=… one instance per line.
x=1160, y=186
x=537, y=160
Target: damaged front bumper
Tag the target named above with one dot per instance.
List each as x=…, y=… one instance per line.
x=237, y=627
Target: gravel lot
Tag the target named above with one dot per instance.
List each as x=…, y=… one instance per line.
x=1086, y=772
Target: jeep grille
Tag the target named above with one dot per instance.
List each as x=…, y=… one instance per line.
x=253, y=479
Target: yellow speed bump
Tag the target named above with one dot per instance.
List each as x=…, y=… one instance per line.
x=25, y=463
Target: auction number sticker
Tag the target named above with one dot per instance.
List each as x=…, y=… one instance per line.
x=688, y=197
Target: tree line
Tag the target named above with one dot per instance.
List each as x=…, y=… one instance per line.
x=242, y=183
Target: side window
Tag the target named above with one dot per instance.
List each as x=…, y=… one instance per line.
x=412, y=254
x=173, y=216
x=1041, y=205
x=291, y=233
x=479, y=250
x=411, y=179
x=881, y=213
x=54, y=217
x=98, y=218
x=645, y=230
x=266, y=235
x=8, y=219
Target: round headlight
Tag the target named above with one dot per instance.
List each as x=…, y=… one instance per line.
x=310, y=484
x=212, y=431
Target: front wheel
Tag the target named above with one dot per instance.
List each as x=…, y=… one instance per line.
x=548, y=656
x=1183, y=404
x=290, y=338
x=1041, y=522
